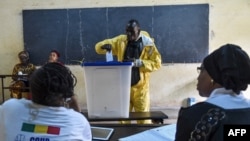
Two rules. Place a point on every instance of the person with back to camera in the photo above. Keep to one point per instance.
(24, 68)
(224, 74)
(45, 117)
(54, 58)
(136, 46)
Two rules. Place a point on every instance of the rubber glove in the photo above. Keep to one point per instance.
(138, 63)
(107, 47)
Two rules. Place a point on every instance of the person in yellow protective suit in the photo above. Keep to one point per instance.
(138, 47)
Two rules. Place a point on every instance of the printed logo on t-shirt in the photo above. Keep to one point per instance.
(40, 129)
(20, 137)
(39, 139)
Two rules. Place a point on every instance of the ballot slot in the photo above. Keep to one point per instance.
(107, 86)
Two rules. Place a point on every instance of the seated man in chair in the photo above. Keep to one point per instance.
(21, 72)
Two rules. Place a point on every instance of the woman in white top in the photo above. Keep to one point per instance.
(224, 74)
(45, 117)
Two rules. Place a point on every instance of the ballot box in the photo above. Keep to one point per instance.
(107, 87)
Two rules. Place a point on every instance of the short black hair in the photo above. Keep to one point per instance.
(51, 84)
(132, 24)
(56, 52)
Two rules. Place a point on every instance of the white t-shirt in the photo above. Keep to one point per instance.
(23, 120)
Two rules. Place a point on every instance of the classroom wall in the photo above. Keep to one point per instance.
(228, 23)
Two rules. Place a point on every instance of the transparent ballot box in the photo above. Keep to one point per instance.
(107, 87)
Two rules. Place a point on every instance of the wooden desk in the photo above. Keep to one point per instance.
(156, 116)
(124, 130)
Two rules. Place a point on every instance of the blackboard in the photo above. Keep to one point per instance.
(180, 31)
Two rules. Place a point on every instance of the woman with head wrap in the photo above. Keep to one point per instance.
(224, 74)
(24, 69)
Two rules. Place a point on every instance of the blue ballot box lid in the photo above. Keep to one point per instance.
(112, 63)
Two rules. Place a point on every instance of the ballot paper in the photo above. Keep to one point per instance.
(109, 56)
(163, 133)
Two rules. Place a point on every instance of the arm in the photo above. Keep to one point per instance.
(152, 60)
(182, 134)
(113, 42)
(31, 69)
(150, 57)
(15, 72)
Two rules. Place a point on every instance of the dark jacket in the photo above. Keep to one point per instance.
(207, 121)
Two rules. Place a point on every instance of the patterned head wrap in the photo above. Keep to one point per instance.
(229, 66)
(23, 54)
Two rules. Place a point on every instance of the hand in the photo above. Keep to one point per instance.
(138, 63)
(129, 60)
(107, 47)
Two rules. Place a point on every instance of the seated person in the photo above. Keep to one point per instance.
(223, 76)
(45, 117)
(54, 57)
(21, 73)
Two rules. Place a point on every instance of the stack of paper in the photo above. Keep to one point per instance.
(163, 133)
(109, 56)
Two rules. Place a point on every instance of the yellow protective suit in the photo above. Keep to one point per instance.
(151, 59)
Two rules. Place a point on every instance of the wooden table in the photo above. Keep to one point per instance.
(124, 130)
(156, 116)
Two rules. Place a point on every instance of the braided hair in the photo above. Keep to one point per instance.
(23, 53)
(52, 84)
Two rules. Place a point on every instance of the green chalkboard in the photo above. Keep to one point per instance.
(180, 31)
